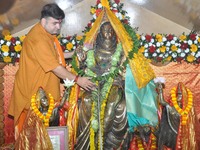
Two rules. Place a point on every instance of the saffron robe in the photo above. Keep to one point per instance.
(38, 57)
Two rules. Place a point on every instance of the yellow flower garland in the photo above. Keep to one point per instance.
(182, 112)
(46, 117)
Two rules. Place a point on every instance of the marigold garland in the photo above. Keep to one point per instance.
(185, 110)
(46, 117)
(92, 133)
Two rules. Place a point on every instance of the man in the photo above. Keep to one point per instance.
(41, 64)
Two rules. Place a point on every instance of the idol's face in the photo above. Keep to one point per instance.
(107, 31)
(44, 102)
(52, 25)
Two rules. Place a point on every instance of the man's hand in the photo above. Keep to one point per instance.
(85, 83)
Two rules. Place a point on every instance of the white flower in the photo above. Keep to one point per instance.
(8, 43)
(119, 15)
(150, 44)
(5, 54)
(18, 55)
(146, 54)
(146, 45)
(177, 44)
(64, 41)
(158, 50)
(166, 55)
(159, 80)
(174, 55)
(190, 42)
(193, 53)
(142, 37)
(18, 42)
(152, 40)
(179, 50)
(172, 42)
(12, 54)
(195, 42)
(73, 42)
(164, 39)
(168, 43)
(68, 82)
(183, 54)
(99, 5)
(2, 41)
(198, 54)
(175, 38)
(114, 5)
(94, 16)
(154, 54)
(161, 55)
(158, 44)
(187, 50)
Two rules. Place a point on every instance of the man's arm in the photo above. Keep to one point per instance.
(84, 82)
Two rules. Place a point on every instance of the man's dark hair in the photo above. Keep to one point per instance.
(52, 10)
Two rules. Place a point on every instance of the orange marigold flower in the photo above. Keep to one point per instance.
(92, 10)
(182, 37)
(138, 36)
(190, 58)
(141, 49)
(5, 48)
(174, 48)
(193, 48)
(7, 59)
(18, 48)
(79, 37)
(163, 49)
(159, 37)
(69, 46)
(22, 38)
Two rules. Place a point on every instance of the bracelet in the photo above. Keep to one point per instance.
(76, 79)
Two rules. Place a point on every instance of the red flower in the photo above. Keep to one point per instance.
(117, 1)
(115, 10)
(152, 49)
(125, 21)
(89, 24)
(13, 40)
(12, 49)
(193, 36)
(159, 59)
(17, 59)
(98, 11)
(63, 48)
(170, 37)
(148, 37)
(68, 37)
(98, 1)
(184, 46)
(198, 60)
(179, 59)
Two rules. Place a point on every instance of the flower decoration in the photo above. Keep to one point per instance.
(182, 111)
(161, 48)
(10, 48)
(159, 80)
(47, 116)
(68, 83)
(115, 7)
